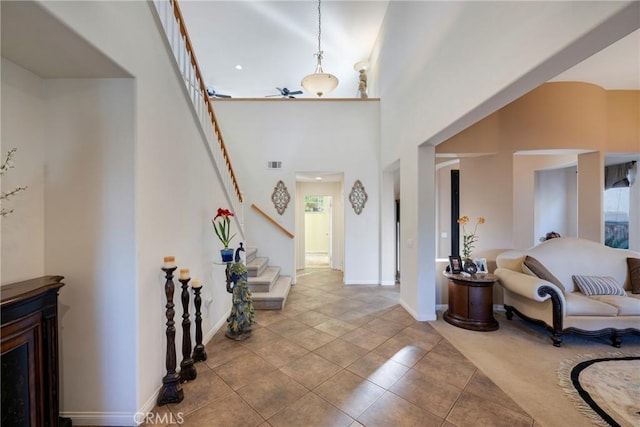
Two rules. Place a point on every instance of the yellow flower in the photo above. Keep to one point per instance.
(469, 240)
(463, 220)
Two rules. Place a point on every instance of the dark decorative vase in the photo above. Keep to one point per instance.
(470, 266)
(227, 254)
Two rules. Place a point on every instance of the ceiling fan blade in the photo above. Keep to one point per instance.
(213, 94)
(271, 96)
(297, 92)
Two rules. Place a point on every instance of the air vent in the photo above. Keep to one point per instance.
(274, 164)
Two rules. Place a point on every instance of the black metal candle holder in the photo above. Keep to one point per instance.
(187, 368)
(171, 391)
(199, 353)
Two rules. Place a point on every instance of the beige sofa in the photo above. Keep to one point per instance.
(569, 310)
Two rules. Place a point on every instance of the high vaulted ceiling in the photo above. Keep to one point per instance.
(274, 42)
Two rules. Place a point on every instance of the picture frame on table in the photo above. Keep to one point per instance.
(455, 264)
(481, 263)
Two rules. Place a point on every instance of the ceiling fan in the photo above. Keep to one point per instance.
(213, 94)
(286, 93)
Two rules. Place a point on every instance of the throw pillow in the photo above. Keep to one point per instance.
(597, 285)
(634, 274)
(533, 267)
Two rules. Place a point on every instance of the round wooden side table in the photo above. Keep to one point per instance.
(471, 301)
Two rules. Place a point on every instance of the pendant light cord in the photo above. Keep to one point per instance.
(319, 83)
(318, 55)
(319, 27)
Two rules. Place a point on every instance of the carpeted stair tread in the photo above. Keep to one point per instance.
(250, 254)
(274, 299)
(265, 281)
(256, 266)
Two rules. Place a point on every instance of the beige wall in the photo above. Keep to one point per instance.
(623, 120)
(556, 115)
(590, 196)
(483, 137)
(563, 123)
(559, 115)
(486, 191)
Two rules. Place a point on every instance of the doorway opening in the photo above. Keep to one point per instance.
(319, 220)
(318, 213)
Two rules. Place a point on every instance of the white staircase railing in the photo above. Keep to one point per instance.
(175, 30)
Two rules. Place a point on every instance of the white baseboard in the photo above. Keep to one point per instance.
(388, 283)
(151, 402)
(362, 282)
(423, 318)
(101, 418)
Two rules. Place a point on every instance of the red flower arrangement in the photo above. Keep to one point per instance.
(223, 226)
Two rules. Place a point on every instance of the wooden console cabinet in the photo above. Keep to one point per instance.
(29, 353)
(471, 302)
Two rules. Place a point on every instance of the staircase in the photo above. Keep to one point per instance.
(269, 290)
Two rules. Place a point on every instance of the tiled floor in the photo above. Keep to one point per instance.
(341, 356)
(316, 260)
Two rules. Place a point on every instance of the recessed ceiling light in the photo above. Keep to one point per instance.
(318, 178)
(238, 67)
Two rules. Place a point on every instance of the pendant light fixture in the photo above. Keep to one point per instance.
(319, 83)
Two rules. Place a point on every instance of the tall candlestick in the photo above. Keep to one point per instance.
(169, 262)
(199, 353)
(187, 369)
(171, 391)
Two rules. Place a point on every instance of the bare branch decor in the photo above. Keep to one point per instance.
(280, 197)
(358, 197)
(4, 167)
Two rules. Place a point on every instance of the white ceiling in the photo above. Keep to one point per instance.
(36, 41)
(274, 41)
(616, 67)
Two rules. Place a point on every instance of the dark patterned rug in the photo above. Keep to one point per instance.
(605, 387)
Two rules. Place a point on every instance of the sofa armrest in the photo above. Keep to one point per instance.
(530, 287)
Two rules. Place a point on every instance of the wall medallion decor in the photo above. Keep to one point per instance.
(280, 197)
(358, 197)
